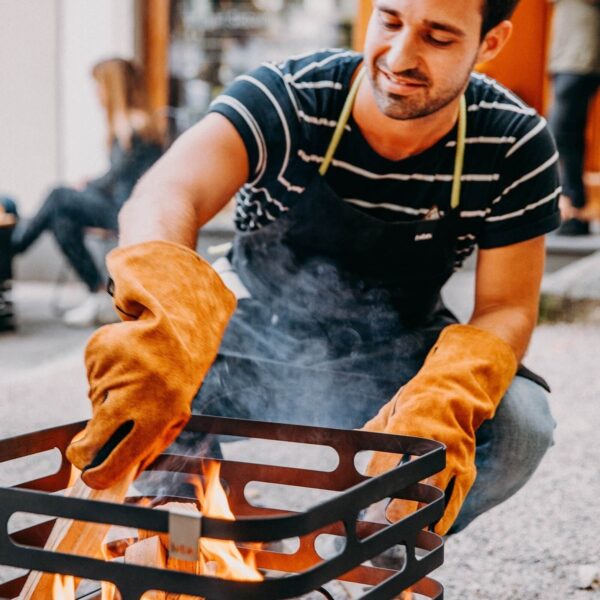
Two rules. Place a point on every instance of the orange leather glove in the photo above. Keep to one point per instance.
(144, 372)
(460, 384)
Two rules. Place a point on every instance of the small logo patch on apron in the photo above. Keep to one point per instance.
(421, 237)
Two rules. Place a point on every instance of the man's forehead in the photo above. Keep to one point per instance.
(454, 11)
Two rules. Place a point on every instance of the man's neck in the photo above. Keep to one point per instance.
(395, 139)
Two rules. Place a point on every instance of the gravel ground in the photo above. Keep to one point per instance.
(528, 548)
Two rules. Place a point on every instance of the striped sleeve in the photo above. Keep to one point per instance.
(525, 204)
(262, 107)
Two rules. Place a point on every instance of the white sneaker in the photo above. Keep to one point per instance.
(96, 309)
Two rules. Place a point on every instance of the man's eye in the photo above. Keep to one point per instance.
(388, 21)
(439, 41)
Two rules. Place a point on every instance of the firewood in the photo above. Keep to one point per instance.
(174, 563)
(148, 553)
(117, 540)
(75, 537)
(182, 565)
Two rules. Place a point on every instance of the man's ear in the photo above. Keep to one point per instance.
(494, 40)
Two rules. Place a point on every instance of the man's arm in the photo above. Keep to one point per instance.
(507, 291)
(198, 175)
(145, 371)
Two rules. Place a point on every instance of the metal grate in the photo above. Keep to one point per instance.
(287, 575)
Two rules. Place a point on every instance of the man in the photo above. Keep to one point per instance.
(574, 64)
(343, 246)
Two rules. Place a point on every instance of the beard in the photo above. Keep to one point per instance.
(415, 106)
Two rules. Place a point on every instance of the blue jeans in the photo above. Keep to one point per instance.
(66, 212)
(509, 448)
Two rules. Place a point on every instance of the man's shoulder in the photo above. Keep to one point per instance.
(333, 64)
(496, 110)
(313, 84)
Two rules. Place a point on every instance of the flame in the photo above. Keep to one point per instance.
(63, 587)
(221, 557)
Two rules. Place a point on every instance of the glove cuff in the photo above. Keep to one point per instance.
(162, 269)
(468, 349)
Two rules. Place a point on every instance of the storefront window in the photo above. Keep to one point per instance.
(213, 41)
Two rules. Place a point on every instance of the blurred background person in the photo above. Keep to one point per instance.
(134, 141)
(574, 65)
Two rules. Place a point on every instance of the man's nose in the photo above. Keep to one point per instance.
(403, 53)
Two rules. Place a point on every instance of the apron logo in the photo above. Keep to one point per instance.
(420, 237)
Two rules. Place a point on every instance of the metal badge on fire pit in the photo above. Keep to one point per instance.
(184, 534)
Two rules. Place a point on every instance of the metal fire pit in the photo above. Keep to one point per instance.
(286, 575)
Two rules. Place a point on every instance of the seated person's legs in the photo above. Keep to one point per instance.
(29, 230)
(509, 448)
(66, 212)
(76, 211)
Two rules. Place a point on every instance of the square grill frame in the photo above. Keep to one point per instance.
(307, 571)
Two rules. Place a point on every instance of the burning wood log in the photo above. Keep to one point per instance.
(117, 540)
(177, 564)
(75, 537)
(149, 553)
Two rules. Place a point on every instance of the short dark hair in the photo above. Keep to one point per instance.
(496, 11)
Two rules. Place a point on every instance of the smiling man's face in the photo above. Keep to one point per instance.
(419, 53)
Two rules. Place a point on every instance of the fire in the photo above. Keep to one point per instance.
(63, 587)
(221, 557)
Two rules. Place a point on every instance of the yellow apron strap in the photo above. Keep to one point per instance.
(339, 129)
(459, 159)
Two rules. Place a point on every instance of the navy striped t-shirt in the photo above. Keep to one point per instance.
(286, 114)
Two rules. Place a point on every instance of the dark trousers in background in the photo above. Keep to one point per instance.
(9, 206)
(568, 118)
(66, 212)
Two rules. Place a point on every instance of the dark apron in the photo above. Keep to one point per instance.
(344, 308)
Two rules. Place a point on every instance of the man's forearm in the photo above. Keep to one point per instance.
(188, 186)
(513, 325)
(154, 212)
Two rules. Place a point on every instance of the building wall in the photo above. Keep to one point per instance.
(29, 101)
(89, 31)
(51, 123)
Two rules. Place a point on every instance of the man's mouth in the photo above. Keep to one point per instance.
(400, 85)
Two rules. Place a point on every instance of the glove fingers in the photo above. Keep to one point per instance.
(457, 495)
(114, 444)
(140, 448)
(380, 421)
(84, 448)
(101, 445)
(381, 462)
